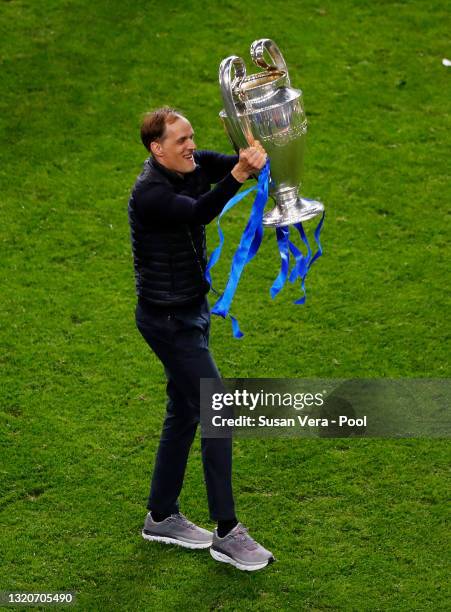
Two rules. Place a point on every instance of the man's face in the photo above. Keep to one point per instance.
(175, 150)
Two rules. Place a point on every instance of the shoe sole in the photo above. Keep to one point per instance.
(246, 568)
(167, 540)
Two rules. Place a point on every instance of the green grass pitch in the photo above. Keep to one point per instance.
(355, 525)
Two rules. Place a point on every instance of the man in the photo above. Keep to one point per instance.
(171, 202)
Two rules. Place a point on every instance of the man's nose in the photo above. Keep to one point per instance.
(191, 144)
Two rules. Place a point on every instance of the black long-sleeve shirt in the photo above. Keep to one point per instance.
(187, 198)
(167, 213)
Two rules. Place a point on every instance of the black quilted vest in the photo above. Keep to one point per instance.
(169, 258)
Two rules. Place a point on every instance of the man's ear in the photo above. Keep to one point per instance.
(156, 149)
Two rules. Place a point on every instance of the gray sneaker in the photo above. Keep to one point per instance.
(240, 550)
(176, 529)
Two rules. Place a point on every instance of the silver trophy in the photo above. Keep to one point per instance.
(265, 107)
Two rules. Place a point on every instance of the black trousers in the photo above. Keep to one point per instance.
(180, 338)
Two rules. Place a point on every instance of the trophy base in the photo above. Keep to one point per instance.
(302, 210)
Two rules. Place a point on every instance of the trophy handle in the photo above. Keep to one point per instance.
(258, 49)
(232, 72)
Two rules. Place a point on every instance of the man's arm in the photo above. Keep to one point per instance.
(215, 165)
(159, 203)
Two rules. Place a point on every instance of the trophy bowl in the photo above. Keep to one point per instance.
(264, 107)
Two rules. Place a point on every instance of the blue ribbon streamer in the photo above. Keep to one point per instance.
(249, 244)
(282, 234)
(216, 254)
(302, 262)
(317, 235)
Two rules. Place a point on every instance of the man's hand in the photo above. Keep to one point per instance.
(250, 162)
